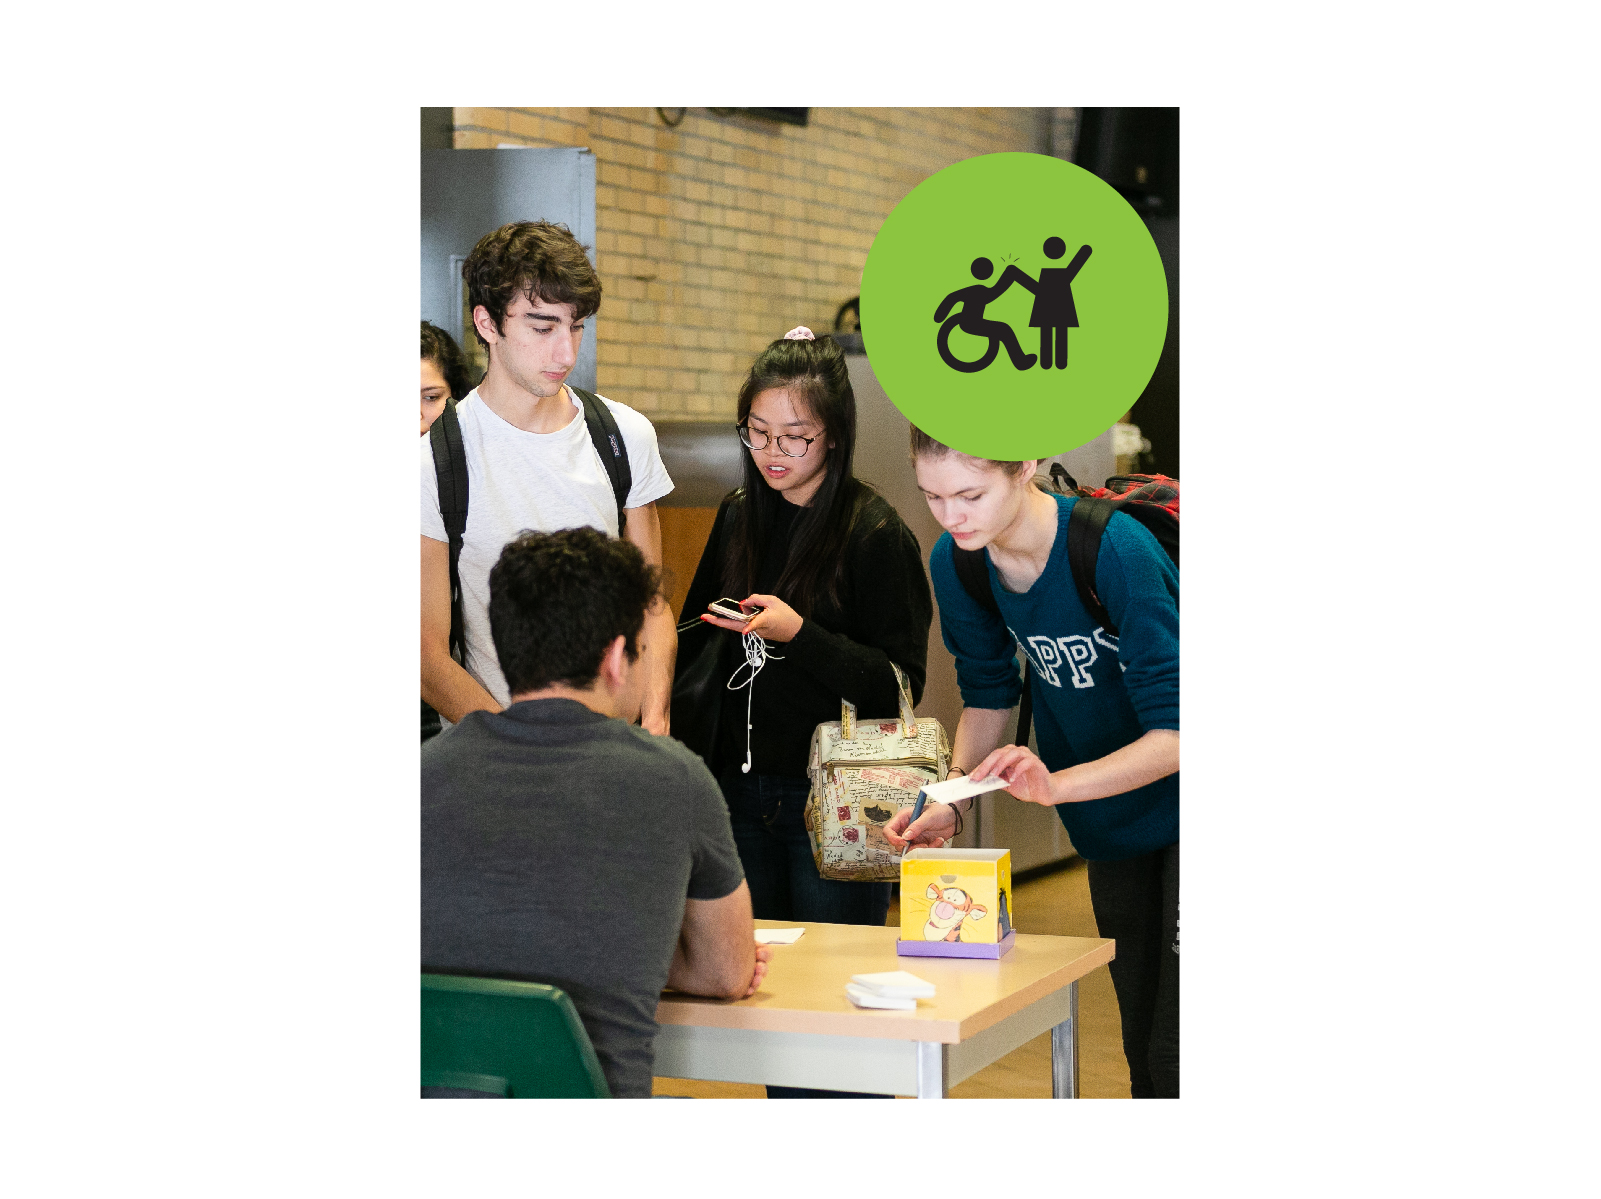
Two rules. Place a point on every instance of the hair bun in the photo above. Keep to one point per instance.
(799, 333)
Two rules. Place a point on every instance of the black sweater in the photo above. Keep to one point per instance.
(840, 652)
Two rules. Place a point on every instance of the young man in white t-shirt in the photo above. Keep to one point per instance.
(531, 463)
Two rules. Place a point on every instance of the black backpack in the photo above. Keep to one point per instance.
(1153, 500)
(450, 469)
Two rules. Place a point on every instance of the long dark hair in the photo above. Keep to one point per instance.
(815, 371)
(441, 349)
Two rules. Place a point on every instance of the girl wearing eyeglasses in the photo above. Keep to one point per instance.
(840, 583)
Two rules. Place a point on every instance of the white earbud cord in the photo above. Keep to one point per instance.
(756, 656)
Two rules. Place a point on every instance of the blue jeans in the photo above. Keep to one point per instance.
(767, 812)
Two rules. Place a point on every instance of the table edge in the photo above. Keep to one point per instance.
(697, 1012)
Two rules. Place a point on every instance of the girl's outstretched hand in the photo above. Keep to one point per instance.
(1025, 775)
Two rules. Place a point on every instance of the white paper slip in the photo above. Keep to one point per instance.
(897, 984)
(862, 997)
(778, 936)
(960, 788)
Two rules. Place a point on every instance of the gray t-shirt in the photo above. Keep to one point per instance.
(558, 846)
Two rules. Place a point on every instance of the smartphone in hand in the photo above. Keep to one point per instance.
(731, 609)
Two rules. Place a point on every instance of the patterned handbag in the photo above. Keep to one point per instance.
(863, 772)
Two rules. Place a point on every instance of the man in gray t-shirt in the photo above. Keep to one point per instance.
(560, 843)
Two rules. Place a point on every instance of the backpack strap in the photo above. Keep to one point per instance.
(1025, 707)
(972, 569)
(1061, 483)
(450, 471)
(973, 572)
(613, 453)
(1085, 525)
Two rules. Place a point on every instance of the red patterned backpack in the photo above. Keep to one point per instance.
(1153, 500)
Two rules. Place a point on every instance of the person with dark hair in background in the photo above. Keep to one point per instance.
(531, 461)
(444, 378)
(444, 373)
(562, 845)
(840, 581)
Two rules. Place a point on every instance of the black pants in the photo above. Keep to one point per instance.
(1137, 905)
(768, 817)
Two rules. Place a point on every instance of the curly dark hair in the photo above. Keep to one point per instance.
(558, 600)
(441, 349)
(537, 258)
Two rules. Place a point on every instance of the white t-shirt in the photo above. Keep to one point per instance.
(518, 480)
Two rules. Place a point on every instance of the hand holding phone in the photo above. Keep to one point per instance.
(730, 608)
(768, 616)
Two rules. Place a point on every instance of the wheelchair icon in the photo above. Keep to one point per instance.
(970, 319)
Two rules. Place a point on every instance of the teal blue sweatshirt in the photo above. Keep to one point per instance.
(1093, 693)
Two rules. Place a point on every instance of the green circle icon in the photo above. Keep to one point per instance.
(1013, 306)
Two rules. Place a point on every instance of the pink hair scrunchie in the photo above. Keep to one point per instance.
(799, 333)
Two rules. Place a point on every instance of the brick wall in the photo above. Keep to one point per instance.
(714, 237)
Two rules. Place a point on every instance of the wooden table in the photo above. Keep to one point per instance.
(800, 1030)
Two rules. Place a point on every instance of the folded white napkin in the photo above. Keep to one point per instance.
(895, 984)
(862, 997)
(778, 936)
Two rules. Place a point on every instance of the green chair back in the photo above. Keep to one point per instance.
(513, 1039)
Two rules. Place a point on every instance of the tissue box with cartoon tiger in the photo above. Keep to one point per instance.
(956, 903)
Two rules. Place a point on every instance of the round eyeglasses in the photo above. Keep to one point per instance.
(756, 439)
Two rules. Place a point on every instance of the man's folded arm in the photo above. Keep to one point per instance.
(716, 951)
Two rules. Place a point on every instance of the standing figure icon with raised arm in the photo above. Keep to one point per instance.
(1054, 312)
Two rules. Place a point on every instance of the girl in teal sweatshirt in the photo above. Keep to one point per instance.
(1106, 708)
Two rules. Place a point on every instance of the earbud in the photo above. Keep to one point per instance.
(756, 656)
